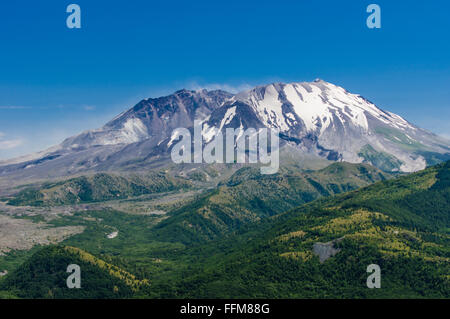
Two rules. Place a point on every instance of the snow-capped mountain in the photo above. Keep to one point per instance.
(322, 118)
(132, 136)
(152, 119)
(317, 118)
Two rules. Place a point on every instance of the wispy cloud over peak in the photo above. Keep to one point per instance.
(220, 86)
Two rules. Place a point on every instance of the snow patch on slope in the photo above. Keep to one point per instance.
(133, 130)
(308, 106)
(269, 109)
(175, 135)
(208, 132)
(228, 117)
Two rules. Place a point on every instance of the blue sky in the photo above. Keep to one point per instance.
(56, 82)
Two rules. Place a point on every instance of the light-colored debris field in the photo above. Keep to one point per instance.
(23, 234)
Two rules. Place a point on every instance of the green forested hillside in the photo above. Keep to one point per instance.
(402, 225)
(44, 276)
(248, 197)
(98, 187)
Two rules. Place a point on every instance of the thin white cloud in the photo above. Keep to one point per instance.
(89, 107)
(13, 107)
(7, 144)
(10, 144)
